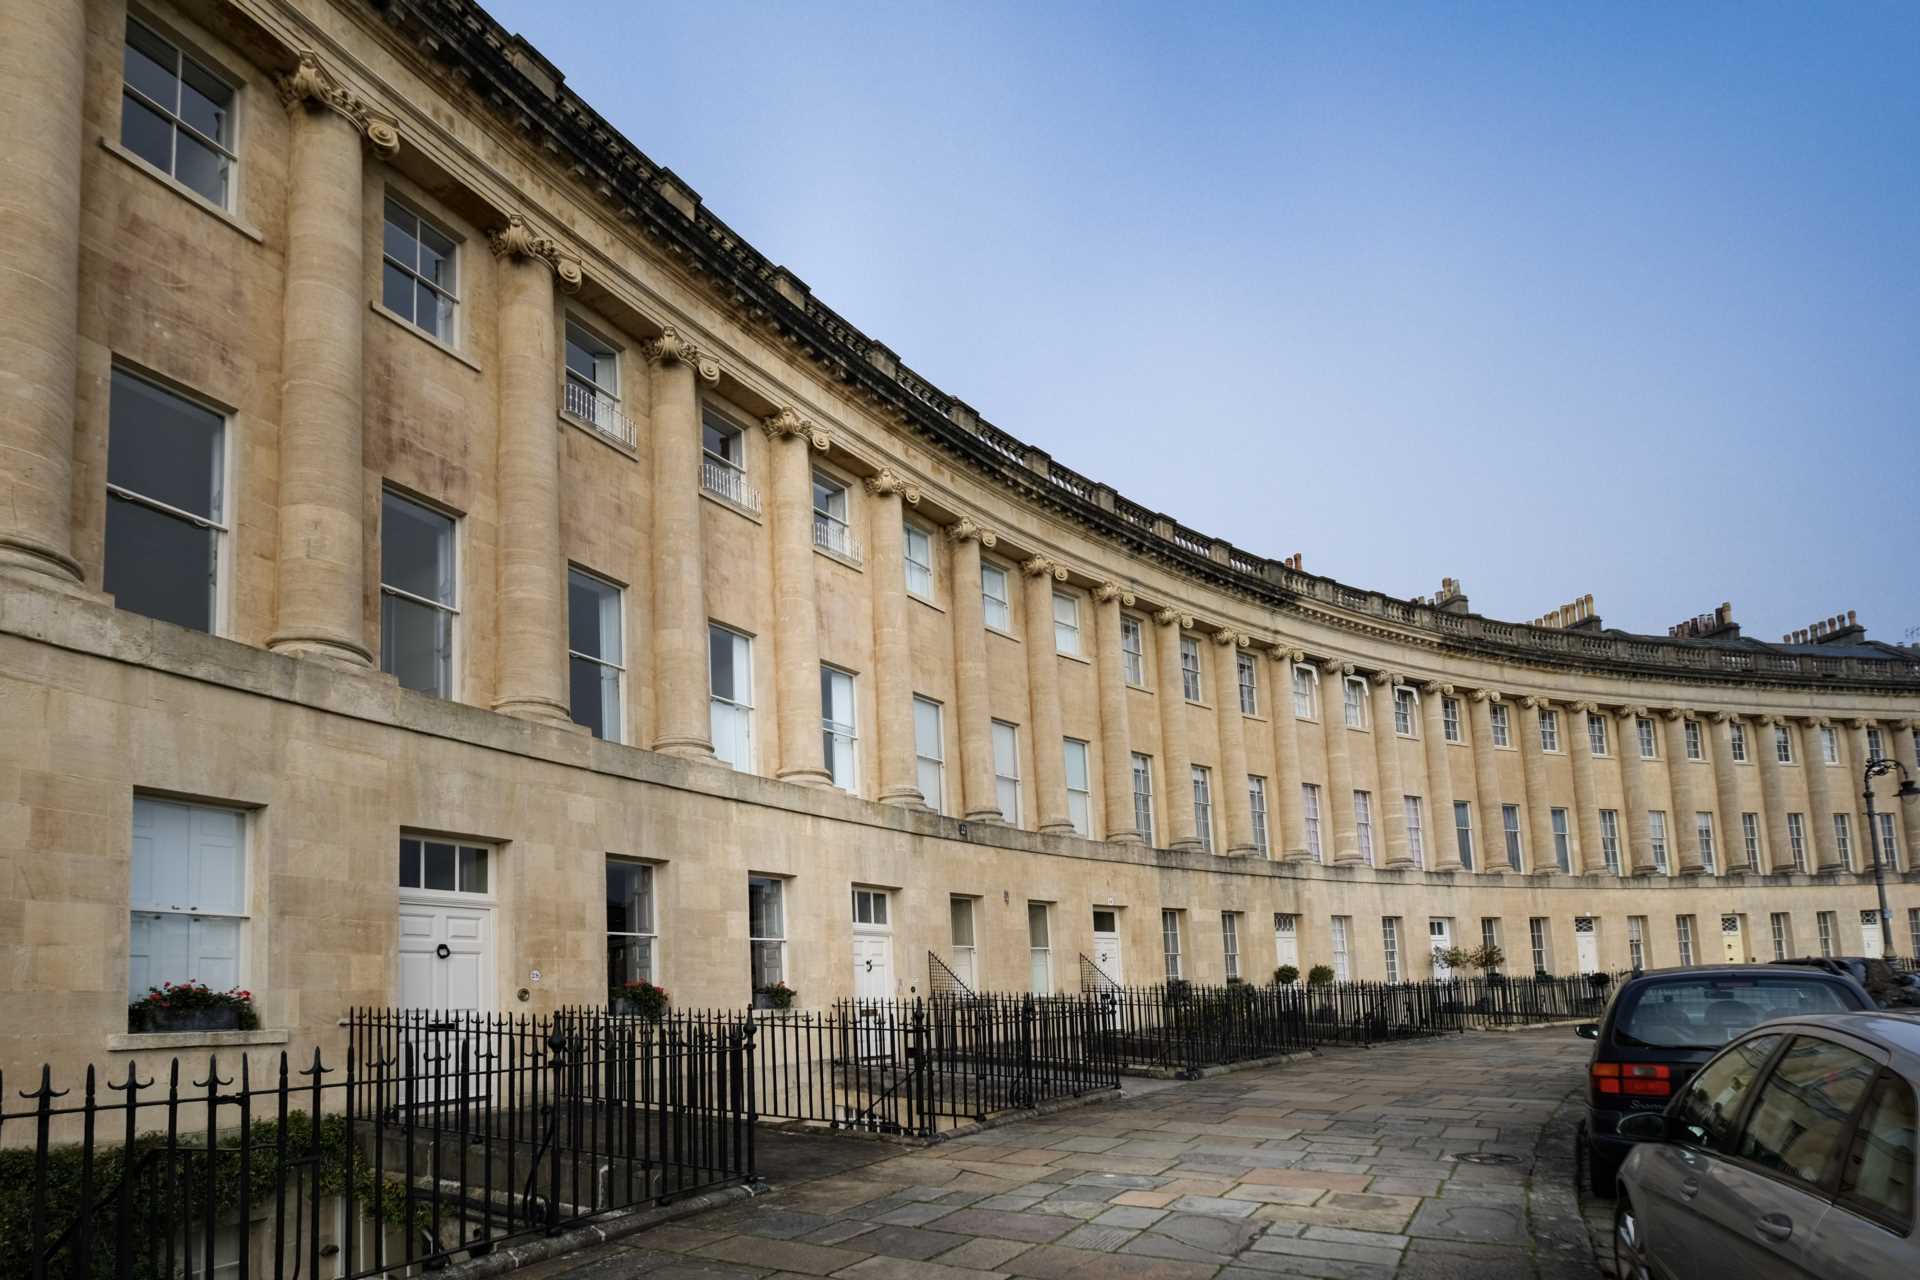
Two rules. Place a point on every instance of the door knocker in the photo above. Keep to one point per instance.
(443, 951)
(869, 966)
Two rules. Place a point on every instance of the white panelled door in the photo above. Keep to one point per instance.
(1586, 944)
(1440, 938)
(446, 955)
(1870, 935)
(1106, 944)
(1733, 941)
(1286, 940)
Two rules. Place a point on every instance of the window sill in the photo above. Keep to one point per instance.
(1139, 687)
(724, 503)
(923, 600)
(1073, 657)
(1253, 716)
(1406, 737)
(837, 558)
(1004, 635)
(147, 1041)
(421, 334)
(1204, 706)
(193, 197)
(581, 424)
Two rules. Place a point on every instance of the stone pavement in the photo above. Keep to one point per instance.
(1357, 1164)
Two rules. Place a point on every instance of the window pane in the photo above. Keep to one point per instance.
(1713, 1097)
(720, 665)
(409, 864)
(1796, 1125)
(1037, 924)
(416, 645)
(1076, 753)
(416, 549)
(159, 565)
(962, 912)
(146, 133)
(595, 697)
(148, 64)
(629, 960)
(721, 440)
(439, 872)
(926, 728)
(432, 313)
(763, 908)
(629, 897)
(436, 256)
(164, 447)
(201, 167)
(396, 289)
(397, 236)
(593, 616)
(206, 103)
(1879, 1169)
(473, 869)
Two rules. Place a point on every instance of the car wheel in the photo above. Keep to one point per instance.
(1629, 1245)
(1597, 1171)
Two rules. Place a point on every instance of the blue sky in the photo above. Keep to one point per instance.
(1553, 299)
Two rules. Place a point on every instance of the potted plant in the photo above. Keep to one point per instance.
(1320, 976)
(775, 995)
(1487, 957)
(640, 999)
(1286, 975)
(192, 1006)
(1451, 959)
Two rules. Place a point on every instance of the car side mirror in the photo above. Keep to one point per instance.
(1588, 1031)
(1644, 1126)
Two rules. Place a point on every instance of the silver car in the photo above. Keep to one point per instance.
(1792, 1153)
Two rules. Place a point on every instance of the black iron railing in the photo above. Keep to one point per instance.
(434, 1139)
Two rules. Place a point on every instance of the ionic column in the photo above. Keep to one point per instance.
(1291, 837)
(1176, 759)
(1433, 717)
(1778, 855)
(1685, 838)
(1856, 764)
(1333, 723)
(796, 618)
(1638, 856)
(1116, 745)
(1391, 795)
(1233, 741)
(1043, 688)
(43, 77)
(1486, 783)
(982, 803)
(1533, 779)
(1813, 763)
(1726, 786)
(1903, 751)
(682, 723)
(530, 675)
(1586, 797)
(320, 560)
(892, 647)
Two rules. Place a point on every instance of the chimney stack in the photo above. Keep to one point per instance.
(1718, 625)
(1576, 615)
(1841, 628)
(1452, 597)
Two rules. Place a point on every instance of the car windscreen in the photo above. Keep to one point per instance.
(1707, 1011)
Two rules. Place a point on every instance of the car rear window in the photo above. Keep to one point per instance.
(1706, 1012)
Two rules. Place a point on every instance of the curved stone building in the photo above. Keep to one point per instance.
(444, 564)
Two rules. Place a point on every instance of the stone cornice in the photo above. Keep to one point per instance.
(310, 84)
(481, 62)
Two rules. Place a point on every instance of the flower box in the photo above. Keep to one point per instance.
(191, 1006)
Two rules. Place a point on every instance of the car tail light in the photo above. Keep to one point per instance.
(1638, 1079)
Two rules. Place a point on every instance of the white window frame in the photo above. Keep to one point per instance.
(1797, 840)
(966, 955)
(1310, 818)
(767, 941)
(1843, 839)
(1562, 839)
(996, 610)
(1829, 744)
(1649, 740)
(1353, 704)
(1142, 768)
(1079, 798)
(617, 664)
(1827, 922)
(203, 914)
(1040, 954)
(1500, 721)
(1737, 742)
(1203, 806)
(1341, 927)
(1610, 839)
(1596, 734)
(1876, 747)
(455, 529)
(229, 150)
(839, 734)
(833, 531)
(1006, 770)
(1913, 930)
(1133, 651)
(462, 891)
(1778, 924)
(1703, 832)
(1695, 740)
(1636, 943)
(1390, 946)
(1406, 711)
(1450, 718)
(1657, 839)
(871, 909)
(1463, 832)
(1257, 806)
(1066, 630)
(918, 568)
(451, 338)
(741, 711)
(1249, 677)
(1783, 744)
(1510, 829)
(1490, 931)
(1537, 944)
(1363, 824)
(1750, 833)
(1230, 943)
(930, 752)
(1889, 849)
(1170, 943)
(585, 397)
(1683, 934)
(1190, 687)
(649, 928)
(215, 521)
(1549, 730)
(720, 475)
(1306, 692)
(1416, 832)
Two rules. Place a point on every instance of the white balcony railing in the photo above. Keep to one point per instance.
(724, 480)
(834, 535)
(600, 410)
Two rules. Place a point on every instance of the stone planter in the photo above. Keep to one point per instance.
(218, 1018)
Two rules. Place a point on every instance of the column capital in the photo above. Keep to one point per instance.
(1043, 567)
(1674, 715)
(1903, 726)
(1440, 687)
(1485, 695)
(1767, 721)
(674, 347)
(1817, 722)
(1173, 618)
(1859, 722)
(1111, 590)
(887, 484)
(786, 422)
(1295, 656)
(1633, 713)
(965, 530)
(310, 84)
(1584, 708)
(1232, 639)
(1385, 679)
(1536, 702)
(1722, 717)
(517, 240)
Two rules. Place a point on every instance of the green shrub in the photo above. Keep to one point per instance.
(1320, 976)
(1285, 976)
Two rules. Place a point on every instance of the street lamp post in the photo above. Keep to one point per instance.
(1875, 767)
